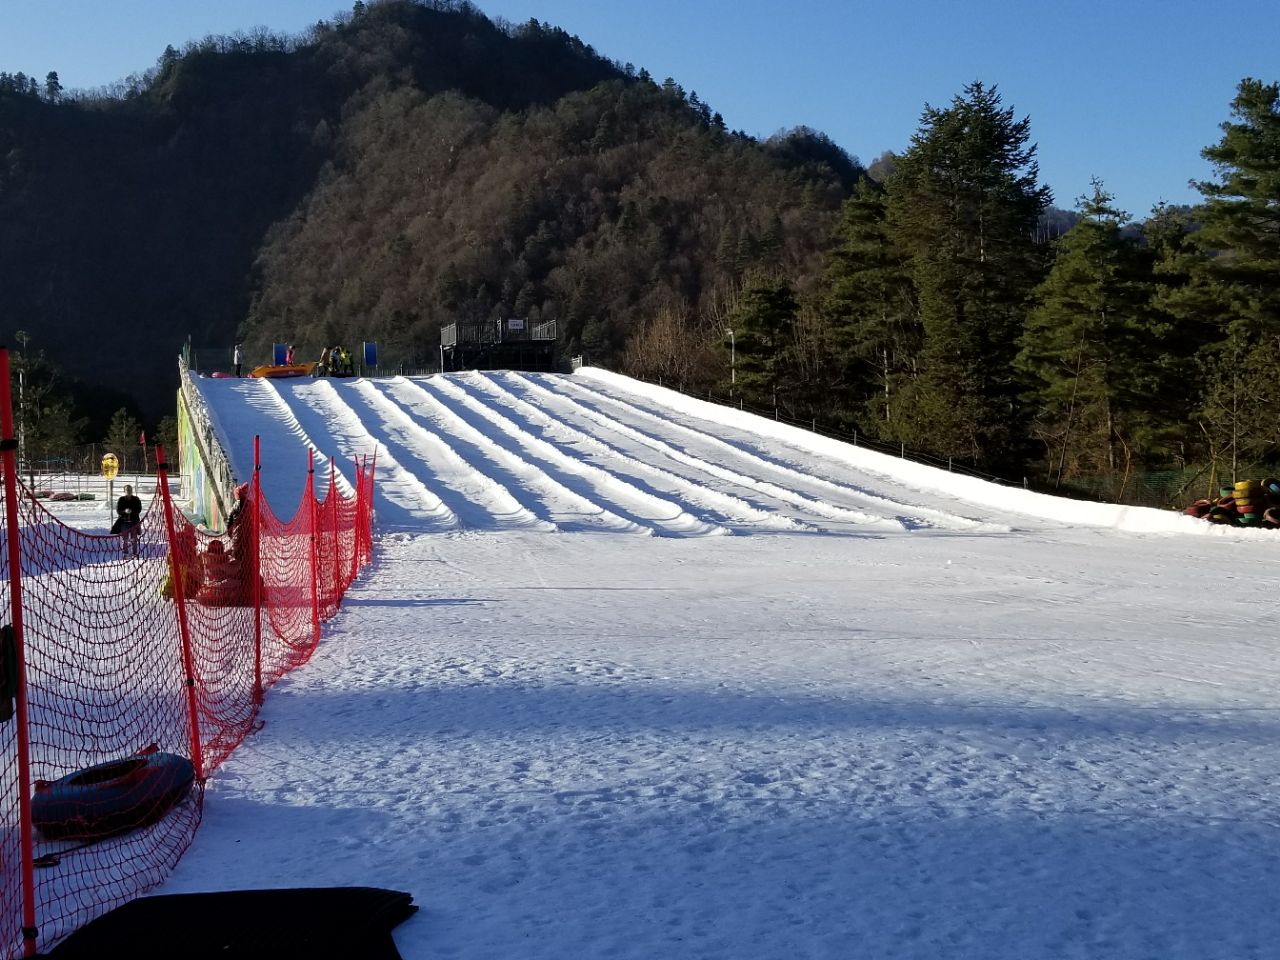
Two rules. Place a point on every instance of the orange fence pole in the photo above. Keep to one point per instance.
(315, 567)
(333, 518)
(257, 570)
(180, 604)
(355, 531)
(370, 483)
(8, 448)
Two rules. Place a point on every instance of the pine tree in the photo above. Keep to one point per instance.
(167, 437)
(963, 206)
(1241, 215)
(46, 420)
(762, 320)
(122, 437)
(1089, 347)
(870, 308)
(1232, 287)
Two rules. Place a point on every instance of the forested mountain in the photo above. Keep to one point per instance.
(415, 163)
(382, 175)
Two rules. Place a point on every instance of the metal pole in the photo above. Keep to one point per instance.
(733, 363)
(8, 450)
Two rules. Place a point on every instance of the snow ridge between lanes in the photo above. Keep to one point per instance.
(811, 505)
(908, 515)
(667, 517)
(404, 501)
(479, 501)
(563, 508)
(732, 509)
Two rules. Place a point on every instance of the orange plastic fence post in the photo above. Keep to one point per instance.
(180, 604)
(369, 507)
(315, 567)
(257, 570)
(8, 448)
(333, 512)
(355, 526)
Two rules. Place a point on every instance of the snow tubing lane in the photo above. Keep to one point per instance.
(111, 797)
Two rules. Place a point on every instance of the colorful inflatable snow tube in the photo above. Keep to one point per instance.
(112, 797)
(280, 370)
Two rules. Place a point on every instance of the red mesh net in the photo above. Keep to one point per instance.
(115, 773)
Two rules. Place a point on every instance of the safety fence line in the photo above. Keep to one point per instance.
(212, 457)
(131, 666)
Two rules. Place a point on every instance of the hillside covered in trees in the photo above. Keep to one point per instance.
(416, 163)
(377, 178)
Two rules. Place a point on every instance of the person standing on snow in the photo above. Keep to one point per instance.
(237, 358)
(128, 513)
(128, 510)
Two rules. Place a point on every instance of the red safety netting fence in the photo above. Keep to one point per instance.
(130, 667)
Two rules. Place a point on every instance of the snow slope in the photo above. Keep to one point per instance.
(637, 676)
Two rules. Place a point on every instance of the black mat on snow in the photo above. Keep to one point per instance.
(317, 923)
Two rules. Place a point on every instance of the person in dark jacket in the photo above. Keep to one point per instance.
(128, 513)
(128, 510)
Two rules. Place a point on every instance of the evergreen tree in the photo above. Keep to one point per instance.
(762, 320)
(1089, 347)
(167, 437)
(1241, 216)
(870, 308)
(44, 414)
(963, 206)
(1232, 287)
(122, 438)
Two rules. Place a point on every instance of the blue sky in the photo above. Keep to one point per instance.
(1128, 91)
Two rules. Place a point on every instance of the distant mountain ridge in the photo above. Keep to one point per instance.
(378, 177)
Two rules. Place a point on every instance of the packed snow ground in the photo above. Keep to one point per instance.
(634, 676)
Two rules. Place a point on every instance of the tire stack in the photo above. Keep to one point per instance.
(1249, 503)
(1247, 495)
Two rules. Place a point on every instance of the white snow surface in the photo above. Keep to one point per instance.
(635, 676)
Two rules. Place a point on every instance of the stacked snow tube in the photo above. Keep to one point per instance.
(1248, 503)
(1248, 498)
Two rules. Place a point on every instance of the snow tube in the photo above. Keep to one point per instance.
(222, 375)
(221, 584)
(111, 797)
(283, 370)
